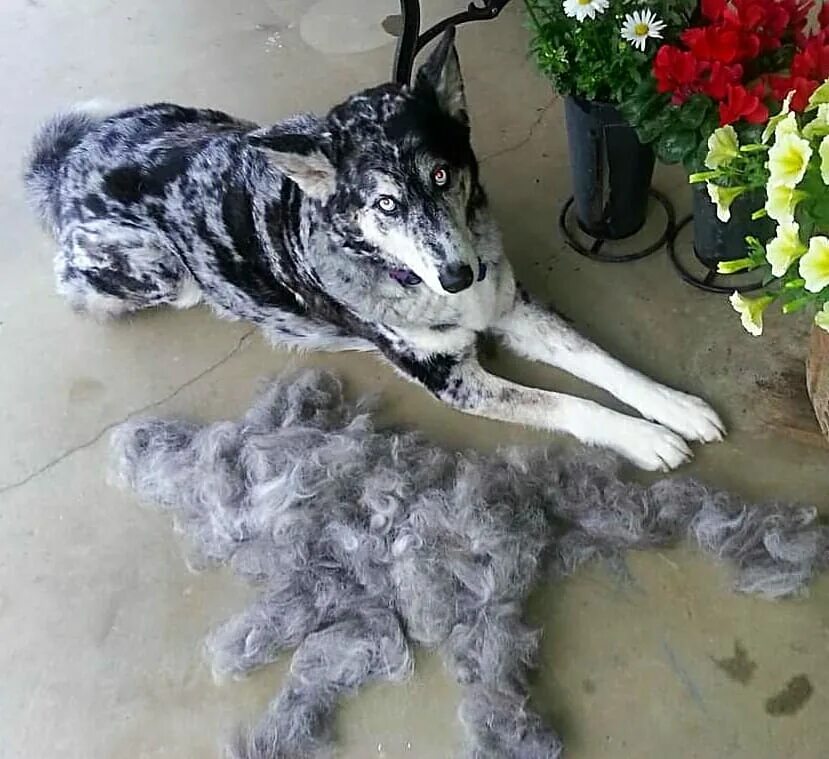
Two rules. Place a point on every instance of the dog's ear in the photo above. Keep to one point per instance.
(441, 74)
(304, 157)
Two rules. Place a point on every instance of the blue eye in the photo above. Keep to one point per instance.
(387, 204)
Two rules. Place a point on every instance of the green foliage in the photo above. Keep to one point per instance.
(589, 58)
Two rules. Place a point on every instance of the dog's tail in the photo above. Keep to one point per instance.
(53, 142)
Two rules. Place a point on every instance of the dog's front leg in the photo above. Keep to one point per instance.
(535, 333)
(469, 388)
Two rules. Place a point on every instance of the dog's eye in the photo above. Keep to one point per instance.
(440, 176)
(387, 204)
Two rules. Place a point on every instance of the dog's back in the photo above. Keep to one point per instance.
(77, 150)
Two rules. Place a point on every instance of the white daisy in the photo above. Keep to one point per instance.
(639, 25)
(582, 9)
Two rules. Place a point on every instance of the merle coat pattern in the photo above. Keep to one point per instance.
(367, 229)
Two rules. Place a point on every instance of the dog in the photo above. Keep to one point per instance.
(367, 229)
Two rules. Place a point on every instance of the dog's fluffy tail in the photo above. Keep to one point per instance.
(53, 142)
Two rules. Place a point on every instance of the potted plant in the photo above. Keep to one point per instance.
(735, 60)
(596, 52)
(788, 168)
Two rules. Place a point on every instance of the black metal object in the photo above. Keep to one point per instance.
(709, 280)
(597, 252)
(611, 169)
(716, 241)
(411, 41)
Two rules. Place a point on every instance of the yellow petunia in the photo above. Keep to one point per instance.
(822, 317)
(723, 147)
(751, 311)
(819, 125)
(823, 152)
(814, 266)
(771, 126)
(733, 266)
(785, 248)
(788, 159)
(819, 96)
(781, 203)
(723, 197)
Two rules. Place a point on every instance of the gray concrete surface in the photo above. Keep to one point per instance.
(100, 622)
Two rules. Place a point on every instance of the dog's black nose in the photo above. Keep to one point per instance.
(456, 277)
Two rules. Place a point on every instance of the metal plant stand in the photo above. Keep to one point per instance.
(708, 279)
(598, 250)
(412, 41)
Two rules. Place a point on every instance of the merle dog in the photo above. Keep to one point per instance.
(367, 229)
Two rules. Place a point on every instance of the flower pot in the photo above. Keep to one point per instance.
(611, 170)
(817, 377)
(716, 241)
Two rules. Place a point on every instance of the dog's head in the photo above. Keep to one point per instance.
(393, 169)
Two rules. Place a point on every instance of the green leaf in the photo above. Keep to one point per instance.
(693, 111)
(674, 146)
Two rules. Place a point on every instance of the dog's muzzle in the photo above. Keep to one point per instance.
(456, 277)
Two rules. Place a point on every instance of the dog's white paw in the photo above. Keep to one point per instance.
(650, 446)
(685, 414)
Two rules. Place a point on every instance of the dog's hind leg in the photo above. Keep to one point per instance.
(257, 636)
(108, 270)
(489, 656)
(370, 645)
(533, 332)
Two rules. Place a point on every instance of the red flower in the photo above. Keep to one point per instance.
(675, 71)
(741, 104)
(813, 61)
(803, 88)
(721, 43)
(719, 78)
(713, 9)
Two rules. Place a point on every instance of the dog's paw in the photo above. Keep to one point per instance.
(651, 446)
(685, 414)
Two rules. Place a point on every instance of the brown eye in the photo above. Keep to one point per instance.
(440, 176)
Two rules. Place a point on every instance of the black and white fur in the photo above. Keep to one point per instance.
(366, 542)
(367, 229)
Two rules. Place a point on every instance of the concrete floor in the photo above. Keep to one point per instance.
(100, 623)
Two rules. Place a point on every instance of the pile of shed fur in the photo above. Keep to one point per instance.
(365, 542)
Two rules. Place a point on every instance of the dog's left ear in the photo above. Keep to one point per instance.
(304, 157)
(441, 74)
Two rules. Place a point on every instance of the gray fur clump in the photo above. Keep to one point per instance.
(365, 542)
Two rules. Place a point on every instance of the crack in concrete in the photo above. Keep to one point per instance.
(103, 431)
(526, 139)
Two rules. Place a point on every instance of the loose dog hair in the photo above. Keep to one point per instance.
(365, 541)
(364, 229)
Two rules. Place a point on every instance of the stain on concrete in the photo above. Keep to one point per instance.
(791, 699)
(85, 389)
(588, 686)
(738, 667)
(393, 25)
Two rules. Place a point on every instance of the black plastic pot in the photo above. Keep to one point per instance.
(716, 241)
(611, 170)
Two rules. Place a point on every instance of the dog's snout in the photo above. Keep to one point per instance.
(456, 277)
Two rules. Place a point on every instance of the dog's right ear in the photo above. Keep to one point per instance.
(302, 157)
